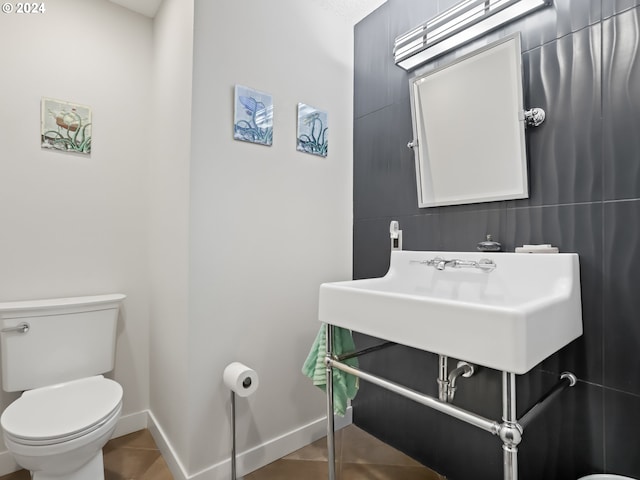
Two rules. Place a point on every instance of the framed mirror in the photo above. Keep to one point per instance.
(468, 128)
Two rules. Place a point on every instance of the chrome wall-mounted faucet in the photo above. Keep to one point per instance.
(440, 263)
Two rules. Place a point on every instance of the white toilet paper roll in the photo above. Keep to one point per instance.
(240, 379)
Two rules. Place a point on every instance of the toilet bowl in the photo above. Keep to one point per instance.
(68, 411)
(58, 432)
(605, 477)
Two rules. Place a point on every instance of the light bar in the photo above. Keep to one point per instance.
(456, 26)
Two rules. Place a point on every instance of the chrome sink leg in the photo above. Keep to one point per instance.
(331, 446)
(510, 431)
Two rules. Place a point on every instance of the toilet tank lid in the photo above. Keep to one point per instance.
(8, 308)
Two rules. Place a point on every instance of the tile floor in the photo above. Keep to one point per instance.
(359, 457)
(131, 457)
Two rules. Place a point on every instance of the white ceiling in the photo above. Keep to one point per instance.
(351, 10)
(148, 8)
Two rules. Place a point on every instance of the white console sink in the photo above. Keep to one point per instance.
(509, 318)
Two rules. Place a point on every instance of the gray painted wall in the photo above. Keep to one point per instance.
(581, 65)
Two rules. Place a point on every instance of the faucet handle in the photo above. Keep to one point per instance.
(486, 264)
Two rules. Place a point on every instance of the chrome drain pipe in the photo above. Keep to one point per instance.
(463, 369)
(443, 380)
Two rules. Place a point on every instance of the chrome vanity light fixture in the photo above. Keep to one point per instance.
(456, 26)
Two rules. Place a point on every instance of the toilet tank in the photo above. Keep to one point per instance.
(67, 338)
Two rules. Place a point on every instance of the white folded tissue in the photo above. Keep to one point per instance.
(542, 248)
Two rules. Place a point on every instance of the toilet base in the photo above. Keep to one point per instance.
(92, 470)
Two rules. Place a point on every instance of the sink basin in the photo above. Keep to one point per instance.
(509, 318)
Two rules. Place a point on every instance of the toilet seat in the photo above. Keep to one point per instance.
(62, 412)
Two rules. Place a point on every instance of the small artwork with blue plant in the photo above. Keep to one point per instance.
(313, 128)
(253, 116)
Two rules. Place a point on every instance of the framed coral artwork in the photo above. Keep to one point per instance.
(65, 126)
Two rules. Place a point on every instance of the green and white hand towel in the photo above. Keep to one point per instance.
(345, 385)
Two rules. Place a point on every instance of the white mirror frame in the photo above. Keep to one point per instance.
(468, 128)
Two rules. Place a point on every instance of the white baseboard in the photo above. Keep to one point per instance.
(131, 423)
(253, 458)
(7, 464)
(168, 453)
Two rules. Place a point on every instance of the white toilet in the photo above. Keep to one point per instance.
(55, 350)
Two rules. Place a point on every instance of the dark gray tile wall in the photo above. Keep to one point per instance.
(621, 105)
(582, 64)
